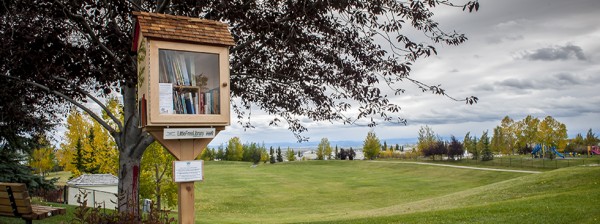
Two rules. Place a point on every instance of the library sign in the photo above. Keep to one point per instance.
(183, 90)
(188, 133)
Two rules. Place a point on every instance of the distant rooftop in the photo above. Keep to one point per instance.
(94, 180)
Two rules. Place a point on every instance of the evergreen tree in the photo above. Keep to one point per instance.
(220, 153)
(12, 169)
(78, 161)
(89, 157)
(272, 157)
(484, 147)
(255, 153)
(351, 154)
(279, 155)
(343, 154)
(591, 139)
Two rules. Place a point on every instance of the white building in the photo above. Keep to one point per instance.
(101, 190)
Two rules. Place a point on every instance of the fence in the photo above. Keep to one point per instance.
(543, 163)
(510, 161)
(94, 197)
(57, 195)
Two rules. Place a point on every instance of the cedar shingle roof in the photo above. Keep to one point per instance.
(181, 28)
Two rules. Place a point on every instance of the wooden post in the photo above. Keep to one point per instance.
(183, 149)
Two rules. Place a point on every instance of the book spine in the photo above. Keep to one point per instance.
(193, 72)
(183, 70)
(183, 104)
(207, 102)
(195, 102)
(215, 101)
(201, 103)
(190, 102)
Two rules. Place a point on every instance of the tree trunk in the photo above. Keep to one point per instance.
(129, 173)
(132, 141)
(158, 180)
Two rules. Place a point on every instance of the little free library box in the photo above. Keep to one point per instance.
(183, 71)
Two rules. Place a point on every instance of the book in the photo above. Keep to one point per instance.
(207, 107)
(215, 101)
(201, 103)
(183, 69)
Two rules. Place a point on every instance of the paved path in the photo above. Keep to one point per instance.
(461, 167)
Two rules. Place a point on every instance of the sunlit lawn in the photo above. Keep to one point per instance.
(324, 190)
(367, 192)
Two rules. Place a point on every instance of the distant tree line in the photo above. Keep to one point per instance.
(509, 138)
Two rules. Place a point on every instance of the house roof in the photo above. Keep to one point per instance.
(181, 28)
(94, 180)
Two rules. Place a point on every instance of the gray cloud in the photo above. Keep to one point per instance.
(561, 80)
(556, 81)
(568, 79)
(556, 53)
(484, 87)
(501, 39)
(516, 83)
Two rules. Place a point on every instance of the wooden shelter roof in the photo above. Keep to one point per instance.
(181, 28)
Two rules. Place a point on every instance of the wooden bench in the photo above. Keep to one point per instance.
(15, 202)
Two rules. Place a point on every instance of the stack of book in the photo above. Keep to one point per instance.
(189, 94)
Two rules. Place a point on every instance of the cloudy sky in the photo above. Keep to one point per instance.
(537, 57)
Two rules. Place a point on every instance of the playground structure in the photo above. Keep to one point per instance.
(594, 150)
(539, 150)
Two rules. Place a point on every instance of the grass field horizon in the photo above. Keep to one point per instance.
(367, 192)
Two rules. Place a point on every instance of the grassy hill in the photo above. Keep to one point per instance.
(568, 195)
(335, 190)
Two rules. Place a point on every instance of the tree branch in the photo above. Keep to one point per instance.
(143, 142)
(108, 112)
(94, 38)
(136, 6)
(243, 45)
(111, 130)
(163, 6)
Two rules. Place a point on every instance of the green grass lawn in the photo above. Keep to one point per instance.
(367, 192)
(63, 177)
(325, 190)
(568, 195)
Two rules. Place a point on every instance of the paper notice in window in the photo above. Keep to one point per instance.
(165, 98)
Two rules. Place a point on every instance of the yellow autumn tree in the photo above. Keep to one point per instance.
(42, 159)
(77, 129)
(88, 147)
(156, 180)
